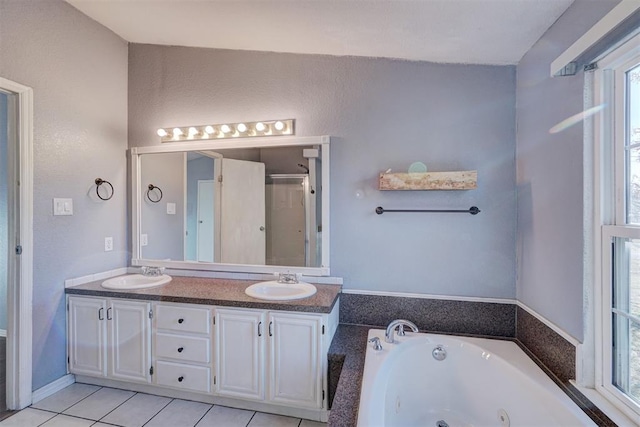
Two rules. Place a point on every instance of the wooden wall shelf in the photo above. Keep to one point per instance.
(459, 180)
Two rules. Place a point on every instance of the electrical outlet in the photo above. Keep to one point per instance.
(144, 240)
(108, 244)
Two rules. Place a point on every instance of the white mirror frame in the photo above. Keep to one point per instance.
(199, 145)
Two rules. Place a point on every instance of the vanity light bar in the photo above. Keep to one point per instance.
(228, 130)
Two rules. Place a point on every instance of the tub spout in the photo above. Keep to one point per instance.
(388, 335)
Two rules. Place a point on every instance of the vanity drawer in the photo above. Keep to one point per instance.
(183, 319)
(193, 378)
(179, 347)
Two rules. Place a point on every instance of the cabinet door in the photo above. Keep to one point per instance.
(294, 359)
(240, 353)
(129, 340)
(87, 336)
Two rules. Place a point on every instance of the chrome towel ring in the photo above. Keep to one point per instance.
(99, 182)
(151, 189)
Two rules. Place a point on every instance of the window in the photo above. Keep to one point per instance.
(617, 84)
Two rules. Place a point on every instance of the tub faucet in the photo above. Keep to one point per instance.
(388, 335)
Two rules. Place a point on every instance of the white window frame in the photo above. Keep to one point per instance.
(610, 209)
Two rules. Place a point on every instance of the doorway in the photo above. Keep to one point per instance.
(16, 178)
(4, 243)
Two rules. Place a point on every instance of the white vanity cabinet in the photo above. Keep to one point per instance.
(182, 347)
(240, 353)
(109, 337)
(265, 360)
(295, 359)
(273, 356)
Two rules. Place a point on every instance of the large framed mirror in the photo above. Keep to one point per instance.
(255, 205)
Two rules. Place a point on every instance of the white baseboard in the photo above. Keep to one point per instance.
(52, 388)
(3, 332)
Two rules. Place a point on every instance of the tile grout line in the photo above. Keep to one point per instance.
(204, 415)
(251, 419)
(66, 409)
(90, 394)
(161, 409)
(56, 414)
(131, 397)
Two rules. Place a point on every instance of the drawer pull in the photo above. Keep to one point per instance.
(180, 320)
(180, 379)
(180, 349)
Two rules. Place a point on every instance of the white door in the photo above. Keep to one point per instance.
(243, 212)
(129, 340)
(205, 218)
(295, 365)
(240, 353)
(87, 336)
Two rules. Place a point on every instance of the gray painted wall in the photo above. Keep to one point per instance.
(383, 114)
(78, 71)
(4, 225)
(549, 174)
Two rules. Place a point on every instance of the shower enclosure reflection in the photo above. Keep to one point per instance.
(256, 206)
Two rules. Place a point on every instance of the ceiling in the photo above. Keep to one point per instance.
(449, 31)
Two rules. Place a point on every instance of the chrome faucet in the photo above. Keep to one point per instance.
(152, 271)
(287, 278)
(388, 335)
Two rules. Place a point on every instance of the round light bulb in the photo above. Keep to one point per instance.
(192, 132)
(225, 128)
(177, 132)
(209, 130)
(162, 133)
(241, 127)
(260, 127)
(279, 125)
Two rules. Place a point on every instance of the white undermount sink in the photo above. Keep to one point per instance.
(136, 281)
(277, 291)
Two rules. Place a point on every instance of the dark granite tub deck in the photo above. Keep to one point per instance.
(359, 313)
(346, 366)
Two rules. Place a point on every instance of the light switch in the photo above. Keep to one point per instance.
(144, 240)
(171, 208)
(62, 206)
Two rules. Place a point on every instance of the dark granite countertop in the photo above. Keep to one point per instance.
(224, 292)
(346, 365)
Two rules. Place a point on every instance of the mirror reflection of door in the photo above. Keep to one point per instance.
(277, 190)
(243, 212)
(205, 215)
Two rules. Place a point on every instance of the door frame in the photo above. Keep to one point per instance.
(20, 297)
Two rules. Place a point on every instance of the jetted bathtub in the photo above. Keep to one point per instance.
(480, 382)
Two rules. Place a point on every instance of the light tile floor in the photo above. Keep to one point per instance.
(84, 405)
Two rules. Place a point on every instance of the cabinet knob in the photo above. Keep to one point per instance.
(180, 320)
(180, 379)
(180, 349)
